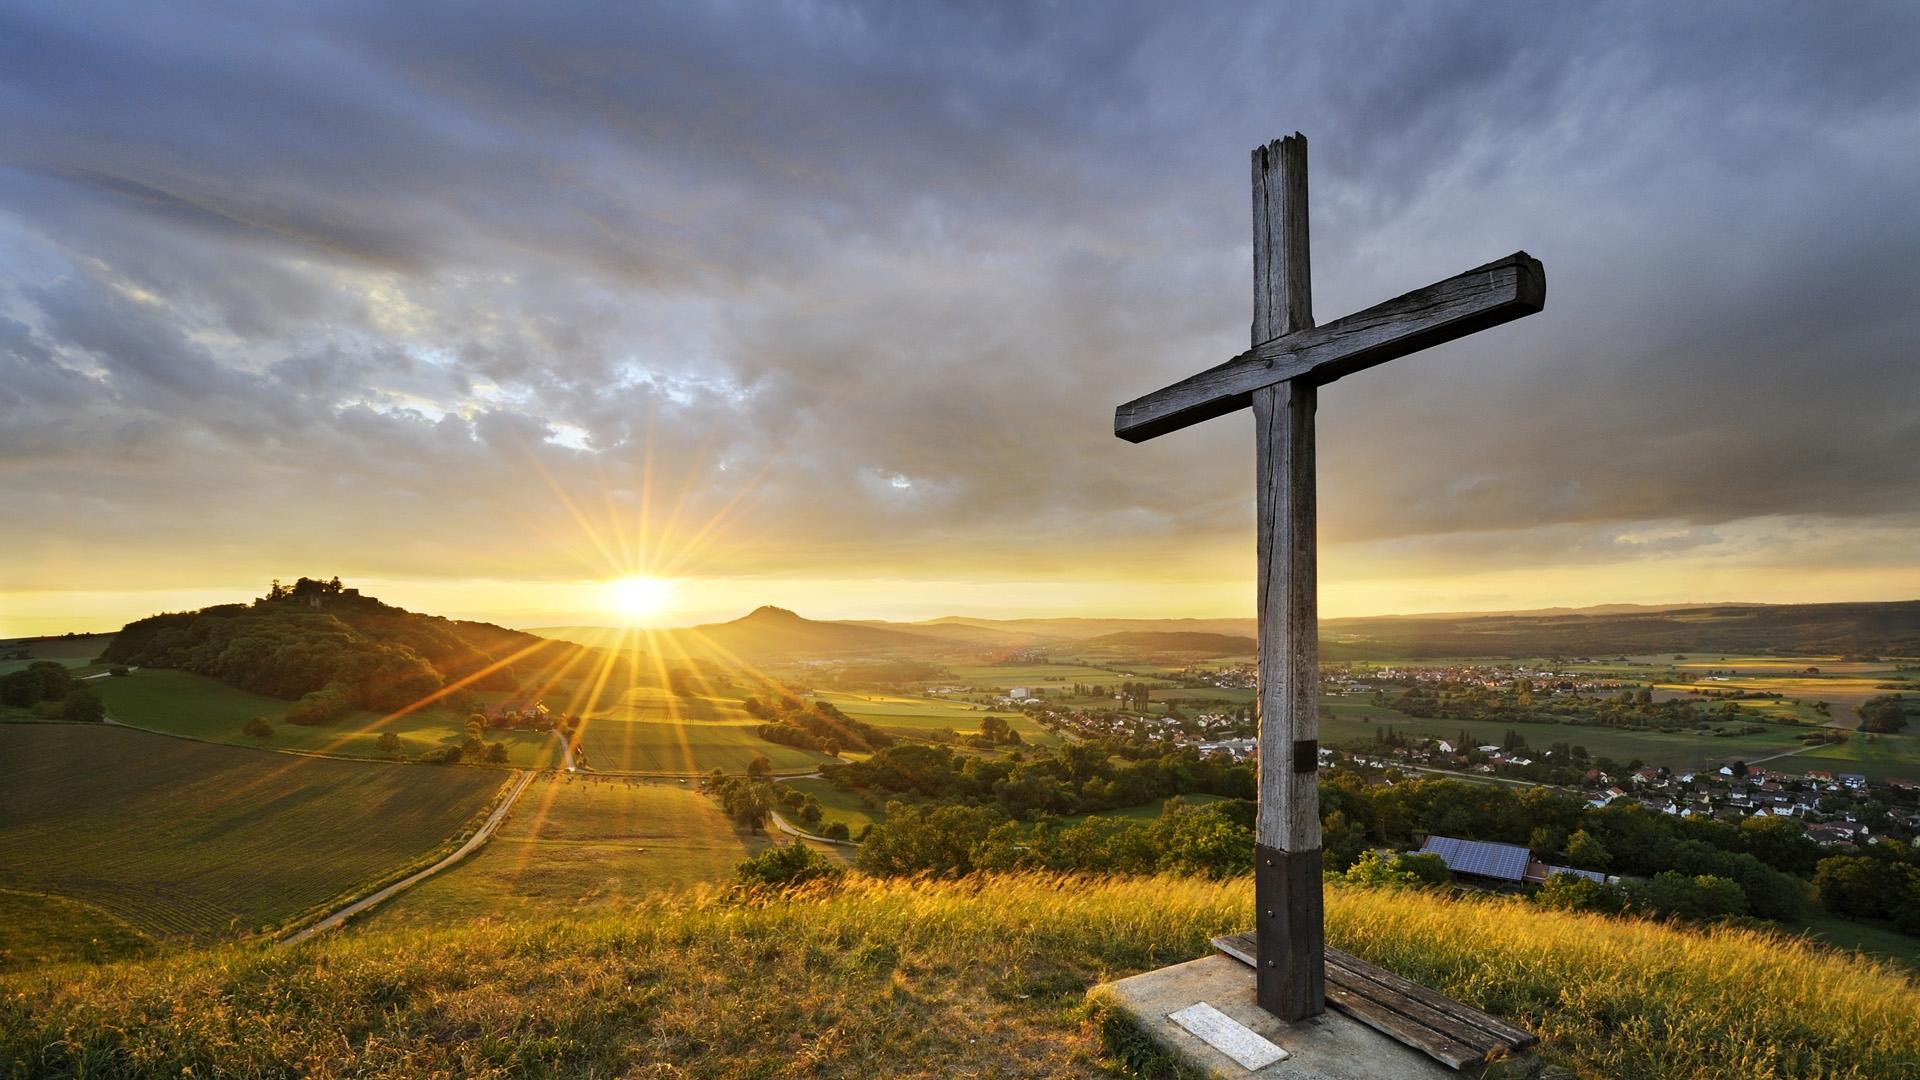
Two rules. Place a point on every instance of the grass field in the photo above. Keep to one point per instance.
(915, 716)
(38, 929)
(189, 839)
(914, 978)
(1874, 939)
(75, 652)
(1354, 720)
(576, 844)
(619, 746)
(1876, 757)
(839, 804)
(1044, 676)
(182, 703)
(652, 704)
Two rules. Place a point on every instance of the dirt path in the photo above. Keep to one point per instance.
(479, 837)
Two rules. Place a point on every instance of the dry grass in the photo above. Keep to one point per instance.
(897, 978)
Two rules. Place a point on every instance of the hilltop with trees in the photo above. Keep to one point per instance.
(331, 650)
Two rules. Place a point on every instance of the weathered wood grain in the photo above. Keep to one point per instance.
(1493, 1029)
(1485, 296)
(1432, 1043)
(1287, 823)
(1449, 1031)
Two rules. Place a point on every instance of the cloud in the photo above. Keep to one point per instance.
(329, 283)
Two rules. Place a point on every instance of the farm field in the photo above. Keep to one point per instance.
(914, 716)
(1844, 685)
(36, 929)
(1356, 723)
(1006, 676)
(77, 651)
(186, 839)
(1204, 693)
(652, 704)
(611, 745)
(199, 707)
(839, 804)
(578, 844)
(1877, 757)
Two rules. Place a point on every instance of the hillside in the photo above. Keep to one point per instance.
(982, 977)
(314, 635)
(1891, 629)
(773, 633)
(1803, 629)
(1174, 641)
(185, 839)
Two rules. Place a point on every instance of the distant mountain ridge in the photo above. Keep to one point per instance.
(1888, 628)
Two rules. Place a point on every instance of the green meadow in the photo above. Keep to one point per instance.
(986, 976)
(1007, 676)
(1876, 757)
(839, 804)
(611, 745)
(1355, 721)
(38, 929)
(77, 651)
(181, 703)
(575, 844)
(186, 839)
(916, 716)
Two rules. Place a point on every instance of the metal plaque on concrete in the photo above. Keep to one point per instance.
(1229, 1036)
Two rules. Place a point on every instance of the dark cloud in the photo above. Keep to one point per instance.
(862, 283)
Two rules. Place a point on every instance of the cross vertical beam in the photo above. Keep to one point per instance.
(1287, 900)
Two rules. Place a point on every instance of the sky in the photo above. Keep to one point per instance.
(828, 305)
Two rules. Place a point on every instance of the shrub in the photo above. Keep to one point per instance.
(84, 706)
(784, 866)
(258, 728)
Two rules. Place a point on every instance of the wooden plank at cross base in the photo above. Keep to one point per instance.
(1446, 1030)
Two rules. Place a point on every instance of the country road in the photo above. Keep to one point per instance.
(480, 836)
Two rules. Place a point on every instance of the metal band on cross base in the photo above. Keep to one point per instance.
(1288, 917)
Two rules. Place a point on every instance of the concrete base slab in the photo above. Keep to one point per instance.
(1331, 1046)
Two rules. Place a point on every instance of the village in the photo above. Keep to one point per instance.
(1839, 809)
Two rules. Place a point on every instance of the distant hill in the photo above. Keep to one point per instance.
(1175, 641)
(768, 633)
(1852, 628)
(1080, 629)
(318, 636)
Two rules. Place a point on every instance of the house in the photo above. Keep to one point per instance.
(1483, 860)
(1853, 780)
(1830, 834)
(1821, 775)
(1538, 872)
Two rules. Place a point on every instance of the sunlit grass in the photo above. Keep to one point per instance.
(982, 977)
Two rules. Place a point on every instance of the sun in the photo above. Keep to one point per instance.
(637, 599)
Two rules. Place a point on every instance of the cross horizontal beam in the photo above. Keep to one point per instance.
(1463, 304)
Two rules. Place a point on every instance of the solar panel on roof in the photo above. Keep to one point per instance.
(1508, 862)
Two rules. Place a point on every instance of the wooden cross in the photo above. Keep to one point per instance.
(1280, 378)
